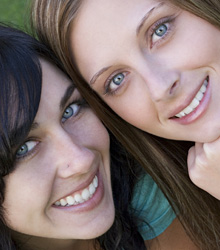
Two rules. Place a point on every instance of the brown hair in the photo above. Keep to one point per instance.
(164, 160)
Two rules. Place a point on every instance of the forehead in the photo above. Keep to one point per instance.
(53, 79)
(105, 24)
(54, 86)
(111, 12)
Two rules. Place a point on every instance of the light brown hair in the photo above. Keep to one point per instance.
(164, 160)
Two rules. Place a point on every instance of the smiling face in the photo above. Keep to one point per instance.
(156, 66)
(61, 187)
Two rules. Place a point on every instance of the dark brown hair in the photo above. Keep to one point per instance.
(20, 96)
(164, 160)
(20, 85)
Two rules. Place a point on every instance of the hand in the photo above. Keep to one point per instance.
(204, 166)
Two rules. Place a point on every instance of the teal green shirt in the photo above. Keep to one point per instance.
(151, 206)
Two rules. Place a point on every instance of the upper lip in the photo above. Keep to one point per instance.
(187, 101)
(79, 187)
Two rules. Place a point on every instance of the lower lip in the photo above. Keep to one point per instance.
(89, 204)
(199, 111)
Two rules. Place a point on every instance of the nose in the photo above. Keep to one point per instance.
(162, 83)
(71, 157)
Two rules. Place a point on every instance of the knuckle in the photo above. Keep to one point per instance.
(200, 162)
(195, 176)
(198, 171)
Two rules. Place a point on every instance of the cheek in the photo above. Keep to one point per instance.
(17, 196)
(89, 132)
(99, 136)
(134, 105)
(205, 52)
(196, 45)
(25, 198)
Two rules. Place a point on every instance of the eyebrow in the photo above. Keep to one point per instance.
(34, 126)
(98, 74)
(146, 16)
(65, 98)
(69, 91)
(143, 20)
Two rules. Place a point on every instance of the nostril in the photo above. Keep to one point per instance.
(172, 89)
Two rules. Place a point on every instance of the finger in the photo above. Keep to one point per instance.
(195, 162)
(194, 153)
(191, 157)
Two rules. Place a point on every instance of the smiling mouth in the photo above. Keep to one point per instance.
(195, 102)
(79, 197)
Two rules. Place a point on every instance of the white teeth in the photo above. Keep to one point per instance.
(182, 113)
(199, 96)
(188, 109)
(203, 89)
(92, 188)
(77, 198)
(95, 181)
(63, 202)
(57, 203)
(85, 194)
(70, 200)
(195, 102)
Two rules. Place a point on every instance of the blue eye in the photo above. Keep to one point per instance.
(26, 148)
(115, 82)
(118, 79)
(161, 30)
(71, 110)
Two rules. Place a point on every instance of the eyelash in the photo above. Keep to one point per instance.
(166, 21)
(110, 79)
(80, 102)
(29, 153)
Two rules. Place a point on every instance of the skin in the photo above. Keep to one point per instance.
(148, 60)
(160, 74)
(174, 238)
(60, 157)
(203, 166)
